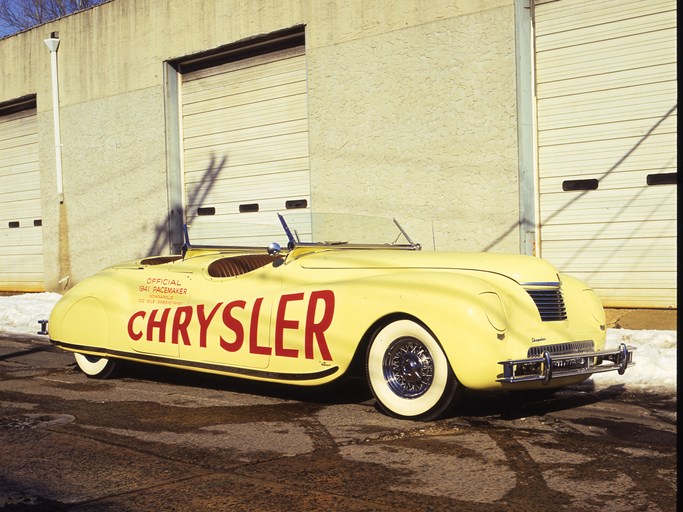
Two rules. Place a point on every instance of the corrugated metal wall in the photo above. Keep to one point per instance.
(607, 113)
(245, 147)
(21, 232)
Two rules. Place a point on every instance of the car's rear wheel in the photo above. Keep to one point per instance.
(409, 373)
(94, 366)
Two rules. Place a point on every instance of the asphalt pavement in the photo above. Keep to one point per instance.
(169, 440)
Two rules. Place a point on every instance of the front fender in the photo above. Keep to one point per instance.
(452, 306)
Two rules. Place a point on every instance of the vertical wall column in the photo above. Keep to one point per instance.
(526, 127)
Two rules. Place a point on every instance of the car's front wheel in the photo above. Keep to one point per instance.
(94, 366)
(409, 374)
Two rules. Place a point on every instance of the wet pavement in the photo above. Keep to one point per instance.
(163, 439)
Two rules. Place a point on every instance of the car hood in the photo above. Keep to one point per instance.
(523, 269)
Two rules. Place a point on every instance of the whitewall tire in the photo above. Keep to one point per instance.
(409, 374)
(94, 366)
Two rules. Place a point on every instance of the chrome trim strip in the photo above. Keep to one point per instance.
(180, 363)
(549, 302)
(567, 347)
(546, 369)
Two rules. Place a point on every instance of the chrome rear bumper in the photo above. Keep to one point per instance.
(548, 367)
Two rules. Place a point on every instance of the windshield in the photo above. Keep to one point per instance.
(340, 229)
(304, 228)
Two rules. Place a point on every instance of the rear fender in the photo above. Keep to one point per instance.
(85, 314)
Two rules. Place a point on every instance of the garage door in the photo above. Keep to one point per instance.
(245, 148)
(21, 238)
(607, 128)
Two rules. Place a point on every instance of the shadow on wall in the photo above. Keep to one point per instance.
(169, 231)
(176, 218)
(614, 168)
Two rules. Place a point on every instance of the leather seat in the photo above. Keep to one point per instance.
(238, 265)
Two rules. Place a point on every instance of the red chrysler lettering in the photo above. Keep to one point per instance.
(204, 322)
(281, 323)
(317, 331)
(254, 347)
(153, 323)
(234, 325)
(135, 335)
(181, 320)
(319, 314)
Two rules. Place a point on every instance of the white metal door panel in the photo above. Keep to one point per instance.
(596, 157)
(607, 123)
(245, 148)
(21, 237)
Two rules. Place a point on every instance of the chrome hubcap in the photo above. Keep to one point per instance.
(408, 367)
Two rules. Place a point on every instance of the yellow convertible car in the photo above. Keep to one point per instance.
(424, 324)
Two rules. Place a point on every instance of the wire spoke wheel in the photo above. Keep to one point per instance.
(408, 367)
(408, 372)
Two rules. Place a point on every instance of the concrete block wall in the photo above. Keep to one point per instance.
(412, 114)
